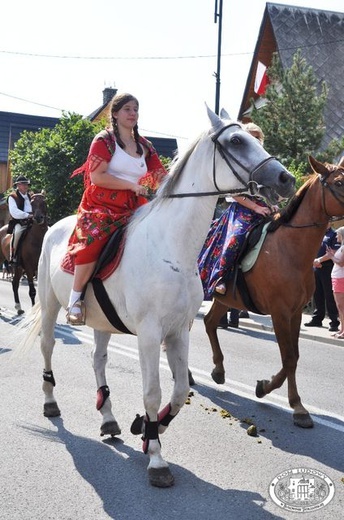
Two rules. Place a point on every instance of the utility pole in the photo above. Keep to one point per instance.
(217, 74)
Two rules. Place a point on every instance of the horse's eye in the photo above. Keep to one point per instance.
(339, 184)
(235, 140)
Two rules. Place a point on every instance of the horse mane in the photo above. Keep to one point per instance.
(176, 169)
(167, 186)
(285, 215)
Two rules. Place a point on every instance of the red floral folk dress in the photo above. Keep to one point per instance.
(102, 211)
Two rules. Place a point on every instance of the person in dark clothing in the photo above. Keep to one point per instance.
(233, 321)
(20, 209)
(323, 295)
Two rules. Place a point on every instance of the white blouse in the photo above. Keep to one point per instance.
(337, 271)
(124, 166)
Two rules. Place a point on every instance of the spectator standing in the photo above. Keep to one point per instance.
(233, 321)
(323, 295)
(337, 276)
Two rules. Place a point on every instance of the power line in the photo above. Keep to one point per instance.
(31, 102)
(189, 57)
(62, 57)
(62, 110)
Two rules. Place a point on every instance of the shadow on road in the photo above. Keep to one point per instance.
(117, 473)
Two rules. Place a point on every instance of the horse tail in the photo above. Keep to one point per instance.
(27, 332)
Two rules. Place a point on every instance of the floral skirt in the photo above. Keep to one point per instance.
(100, 213)
(222, 246)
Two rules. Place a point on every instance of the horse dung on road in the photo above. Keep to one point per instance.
(156, 289)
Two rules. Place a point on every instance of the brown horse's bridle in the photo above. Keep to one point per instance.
(229, 160)
(325, 184)
(45, 217)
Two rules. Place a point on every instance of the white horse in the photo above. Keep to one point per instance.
(156, 289)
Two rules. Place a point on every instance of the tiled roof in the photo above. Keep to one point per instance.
(320, 36)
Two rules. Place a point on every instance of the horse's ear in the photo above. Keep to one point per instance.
(224, 114)
(317, 166)
(214, 119)
(341, 163)
(43, 192)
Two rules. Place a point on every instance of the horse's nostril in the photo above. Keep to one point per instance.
(286, 177)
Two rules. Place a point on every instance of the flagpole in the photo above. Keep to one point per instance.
(217, 74)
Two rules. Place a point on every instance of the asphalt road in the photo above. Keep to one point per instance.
(62, 469)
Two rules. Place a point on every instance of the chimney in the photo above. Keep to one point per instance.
(108, 94)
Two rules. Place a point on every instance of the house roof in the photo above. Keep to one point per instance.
(12, 124)
(320, 36)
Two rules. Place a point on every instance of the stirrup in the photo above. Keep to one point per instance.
(77, 318)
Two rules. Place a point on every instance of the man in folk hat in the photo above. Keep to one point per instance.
(19, 206)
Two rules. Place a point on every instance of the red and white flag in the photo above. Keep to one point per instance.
(261, 80)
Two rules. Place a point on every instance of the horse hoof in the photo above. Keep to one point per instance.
(160, 477)
(191, 379)
(304, 420)
(137, 426)
(260, 392)
(51, 410)
(110, 428)
(20, 312)
(218, 377)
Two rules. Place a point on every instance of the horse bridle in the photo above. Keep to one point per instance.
(45, 217)
(228, 157)
(324, 184)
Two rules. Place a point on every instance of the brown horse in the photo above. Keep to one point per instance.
(282, 282)
(29, 249)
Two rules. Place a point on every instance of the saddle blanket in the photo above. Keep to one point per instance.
(108, 261)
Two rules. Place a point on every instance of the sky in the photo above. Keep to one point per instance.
(59, 56)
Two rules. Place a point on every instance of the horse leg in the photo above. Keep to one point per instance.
(109, 424)
(287, 335)
(49, 317)
(149, 341)
(32, 290)
(211, 321)
(177, 356)
(15, 287)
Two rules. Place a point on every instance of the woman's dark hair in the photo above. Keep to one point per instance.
(117, 103)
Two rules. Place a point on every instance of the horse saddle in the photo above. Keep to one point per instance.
(110, 255)
(106, 264)
(247, 258)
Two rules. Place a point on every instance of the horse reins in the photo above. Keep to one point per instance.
(226, 156)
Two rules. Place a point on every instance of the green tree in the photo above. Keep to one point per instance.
(49, 156)
(333, 153)
(292, 119)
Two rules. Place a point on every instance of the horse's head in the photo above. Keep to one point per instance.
(251, 164)
(332, 179)
(39, 208)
